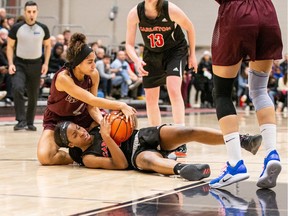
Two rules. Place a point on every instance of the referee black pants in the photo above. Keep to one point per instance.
(26, 79)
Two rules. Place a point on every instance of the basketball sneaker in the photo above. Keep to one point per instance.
(195, 172)
(272, 168)
(230, 175)
(251, 143)
(232, 204)
(181, 151)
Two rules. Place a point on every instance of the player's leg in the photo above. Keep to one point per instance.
(226, 113)
(48, 152)
(258, 80)
(152, 106)
(174, 136)
(154, 161)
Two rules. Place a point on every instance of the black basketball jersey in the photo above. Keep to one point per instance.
(100, 149)
(161, 33)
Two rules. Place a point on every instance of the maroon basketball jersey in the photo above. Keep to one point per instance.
(62, 103)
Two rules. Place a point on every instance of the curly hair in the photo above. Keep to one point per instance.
(77, 41)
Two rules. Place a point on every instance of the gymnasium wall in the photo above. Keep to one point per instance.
(92, 17)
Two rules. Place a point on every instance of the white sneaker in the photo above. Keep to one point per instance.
(3, 94)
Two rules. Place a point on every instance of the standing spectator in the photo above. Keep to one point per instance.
(203, 80)
(246, 31)
(165, 55)
(27, 38)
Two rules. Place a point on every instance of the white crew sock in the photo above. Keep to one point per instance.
(268, 132)
(233, 147)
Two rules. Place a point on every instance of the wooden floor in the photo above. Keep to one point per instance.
(27, 188)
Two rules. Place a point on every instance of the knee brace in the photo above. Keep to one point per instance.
(222, 94)
(258, 89)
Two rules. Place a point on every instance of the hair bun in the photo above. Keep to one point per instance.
(78, 37)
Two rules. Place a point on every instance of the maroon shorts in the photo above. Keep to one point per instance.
(247, 30)
(51, 119)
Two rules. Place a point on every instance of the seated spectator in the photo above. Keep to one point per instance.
(123, 72)
(276, 69)
(55, 63)
(100, 52)
(103, 67)
(282, 90)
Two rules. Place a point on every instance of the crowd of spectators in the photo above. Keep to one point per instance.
(120, 80)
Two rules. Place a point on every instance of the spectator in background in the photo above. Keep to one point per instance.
(27, 39)
(122, 69)
(243, 89)
(5, 83)
(100, 52)
(106, 77)
(284, 64)
(272, 88)
(3, 13)
(282, 89)
(3, 36)
(11, 21)
(203, 80)
(67, 35)
(53, 41)
(276, 69)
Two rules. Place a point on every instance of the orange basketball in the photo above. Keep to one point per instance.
(120, 129)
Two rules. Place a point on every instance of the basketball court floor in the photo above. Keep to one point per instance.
(27, 188)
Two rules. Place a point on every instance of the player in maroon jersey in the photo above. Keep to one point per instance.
(73, 97)
(246, 30)
(165, 54)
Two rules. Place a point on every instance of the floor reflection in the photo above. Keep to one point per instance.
(240, 199)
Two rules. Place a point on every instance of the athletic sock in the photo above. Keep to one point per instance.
(233, 147)
(268, 132)
(178, 167)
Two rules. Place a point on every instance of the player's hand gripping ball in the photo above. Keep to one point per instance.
(120, 129)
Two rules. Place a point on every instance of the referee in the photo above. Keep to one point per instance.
(27, 39)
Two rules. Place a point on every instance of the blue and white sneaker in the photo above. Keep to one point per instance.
(272, 168)
(230, 175)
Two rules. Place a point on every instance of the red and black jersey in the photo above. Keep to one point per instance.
(161, 33)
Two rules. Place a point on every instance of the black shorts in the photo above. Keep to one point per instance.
(171, 62)
(147, 139)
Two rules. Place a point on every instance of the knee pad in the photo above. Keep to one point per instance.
(258, 89)
(222, 94)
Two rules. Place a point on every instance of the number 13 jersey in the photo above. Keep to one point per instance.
(161, 33)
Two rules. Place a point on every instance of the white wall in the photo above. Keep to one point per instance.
(91, 17)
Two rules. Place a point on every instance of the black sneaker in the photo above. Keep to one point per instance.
(195, 172)
(181, 151)
(251, 143)
(20, 126)
(30, 128)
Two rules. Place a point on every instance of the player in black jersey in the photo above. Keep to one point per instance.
(146, 149)
(165, 53)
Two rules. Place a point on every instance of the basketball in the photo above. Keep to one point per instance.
(120, 129)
